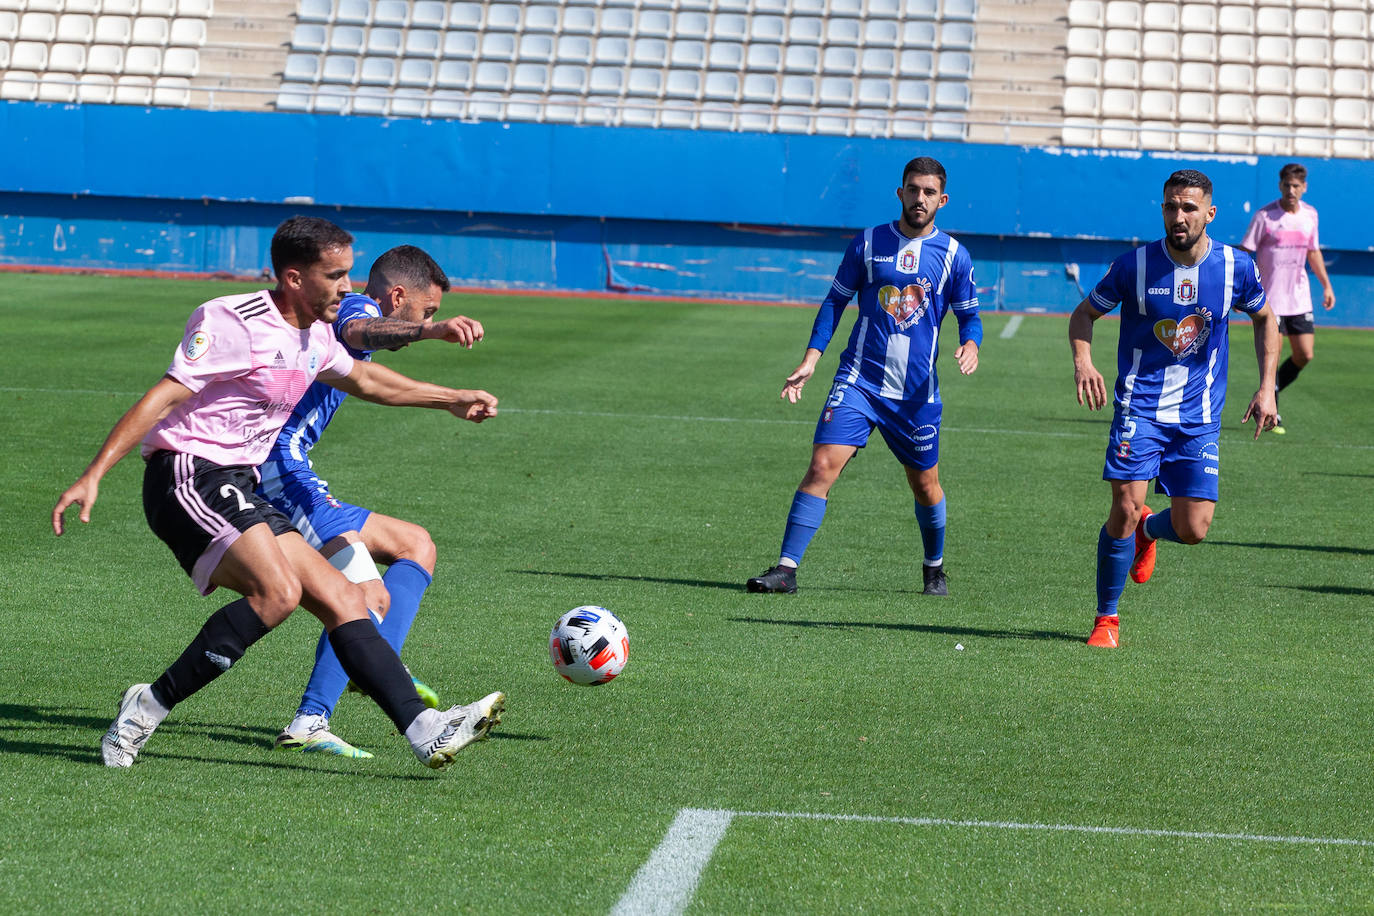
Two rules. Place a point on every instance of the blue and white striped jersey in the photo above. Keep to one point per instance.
(905, 287)
(1171, 360)
(320, 402)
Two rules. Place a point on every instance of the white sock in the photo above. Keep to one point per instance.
(788, 562)
(423, 727)
(150, 707)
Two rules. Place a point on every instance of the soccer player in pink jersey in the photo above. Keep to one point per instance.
(243, 363)
(1283, 238)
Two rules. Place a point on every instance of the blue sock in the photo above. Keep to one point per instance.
(802, 522)
(406, 581)
(932, 522)
(327, 681)
(1161, 526)
(1114, 558)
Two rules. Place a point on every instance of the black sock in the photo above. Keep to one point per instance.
(221, 642)
(1287, 372)
(373, 665)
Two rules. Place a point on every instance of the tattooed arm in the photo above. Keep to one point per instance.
(394, 333)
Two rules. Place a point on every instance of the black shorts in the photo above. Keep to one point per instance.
(199, 508)
(1296, 324)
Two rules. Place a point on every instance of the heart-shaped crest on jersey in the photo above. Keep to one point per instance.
(1179, 336)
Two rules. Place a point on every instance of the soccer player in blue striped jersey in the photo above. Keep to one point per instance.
(404, 289)
(1176, 295)
(907, 275)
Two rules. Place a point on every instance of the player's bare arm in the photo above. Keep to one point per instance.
(1318, 265)
(1264, 406)
(390, 333)
(381, 385)
(160, 400)
(967, 357)
(792, 388)
(1087, 381)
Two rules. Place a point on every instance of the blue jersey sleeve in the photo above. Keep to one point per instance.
(1249, 292)
(848, 279)
(963, 299)
(1118, 283)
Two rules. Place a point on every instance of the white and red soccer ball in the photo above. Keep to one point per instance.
(589, 645)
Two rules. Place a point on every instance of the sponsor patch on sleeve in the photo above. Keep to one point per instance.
(197, 344)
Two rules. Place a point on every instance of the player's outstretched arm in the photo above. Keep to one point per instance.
(381, 385)
(393, 333)
(792, 388)
(1263, 406)
(1087, 381)
(160, 400)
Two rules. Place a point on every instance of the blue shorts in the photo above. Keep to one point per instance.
(911, 431)
(293, 488)
(1182, 464)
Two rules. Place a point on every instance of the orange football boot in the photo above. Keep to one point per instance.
(1144, 566)
(1106, 632)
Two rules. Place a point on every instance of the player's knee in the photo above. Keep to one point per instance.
(1192, 531)
(276, 598)
(421, 549)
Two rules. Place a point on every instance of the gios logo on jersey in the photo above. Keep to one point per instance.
(905, 305)
(1186, 337)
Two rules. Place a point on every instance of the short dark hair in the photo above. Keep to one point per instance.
(301, 240)
(406, 265)
(1189, 178)
(924, 165)
(1293, 170)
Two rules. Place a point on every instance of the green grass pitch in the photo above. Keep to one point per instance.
(1219, 761)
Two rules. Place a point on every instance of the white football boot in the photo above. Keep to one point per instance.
(436, 737)
(130, 729)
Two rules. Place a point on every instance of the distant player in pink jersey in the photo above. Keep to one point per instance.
(1283, 238)
(244, 362)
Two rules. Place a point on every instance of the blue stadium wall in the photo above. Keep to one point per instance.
(557, 207)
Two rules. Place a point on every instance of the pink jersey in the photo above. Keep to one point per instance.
(247, 368)
(1281, 241)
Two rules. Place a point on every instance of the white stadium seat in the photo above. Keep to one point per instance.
(956, 96)
(395, 13)
(1312, 111)
(1158, 104)
(1198, 17)
(918, 64)
(1159, 46)
(1197, 106)
(183, 62)
(1236, 48)
(339, 68)
(42, 27)
(187, 32)
(1349, 81)
(501, 46)
(172, 91)
(914, 95)
(1274, 110)
(688, 54)
(725, 55)
(377, 71)
(535, 47)
(1349, 24)
(1236, 78)
(1158, 16)
(1082, 101)
(1124, 14)
(352, 12)
(464, 17)
(530, 78)
(1274, 20)
(423, 43)
(683, 84)
(453, 74)
(878, 61)
(1315, 22)
(650, 51)
(460, 45)
(134, 90)
(659, 23)
(760, 87)
(1121, 43)
(67, 58)
(958, 9)
(308, 37)
(689, 25)
(1085, 42)
(95, 89)
(840, 61)
(1198, 46)
(105, 59)
(1312, 81)
(496, 75)
(875, 93)
(346, 39)
(645, 82)
(723, 86)
(29, 55)
(954, 65)
(1123, 73)
(804, 30)
(1159, 74)
(1271, 78)
(1312, 51)
(1087, 13)
(836, 91)
(143, 60)
(1350, 113)
(1236, 20)
(428, 14)
(314, 11)
(1197, 76)
(1235, 108)
(1274, 49)
(881, 33)
(76, 27)
(1350, 52)
(371, 100)
(303, 68)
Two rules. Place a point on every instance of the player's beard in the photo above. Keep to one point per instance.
(1187, 243)
(914, 219)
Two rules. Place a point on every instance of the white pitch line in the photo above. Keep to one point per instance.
(1013, 324)
(1064, 828)
(665, 884)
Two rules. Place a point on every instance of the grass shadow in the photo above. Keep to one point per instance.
(706, 583)
(915, 628)
(1315, 548)
(1329, 589)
